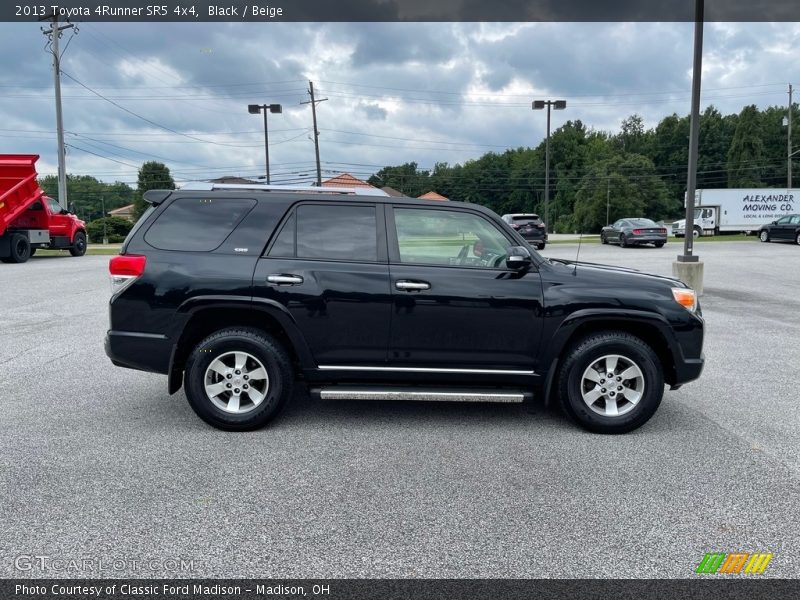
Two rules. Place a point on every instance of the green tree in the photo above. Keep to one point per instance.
(116, 229)
(746, 154)
(88, 194)
(622, 186)
(152, 176)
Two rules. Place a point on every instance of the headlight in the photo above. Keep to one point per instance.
(686, 297)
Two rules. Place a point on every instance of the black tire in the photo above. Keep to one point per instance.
(603, 239)
(19, 249)
(659, 244)
(797, 238)
(697, 232)
(764, 235)
(623, 241)
(78, 244)
(540, 246)
(587, 351)
(258, 344)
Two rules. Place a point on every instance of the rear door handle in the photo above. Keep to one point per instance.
(410, 286)
(284, 279)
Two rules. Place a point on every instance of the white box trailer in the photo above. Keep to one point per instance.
(738, 210)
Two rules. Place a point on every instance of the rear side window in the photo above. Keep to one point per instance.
(337, 232)
(197, 224)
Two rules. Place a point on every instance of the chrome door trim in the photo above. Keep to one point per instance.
(424, 370)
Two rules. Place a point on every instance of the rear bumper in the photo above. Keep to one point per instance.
(647, 239)
(141, 351)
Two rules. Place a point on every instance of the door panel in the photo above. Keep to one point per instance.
(455, 304)
(342, 309)
(466, 318)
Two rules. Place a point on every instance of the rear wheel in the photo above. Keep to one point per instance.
(659, 244)
(238, 379)
(764, 236)
(19, 249)
(540, 246)
(611, 382)
(623, 241)
(797, 238)
(78, 244)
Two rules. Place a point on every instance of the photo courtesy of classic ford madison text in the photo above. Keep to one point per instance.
(377, 300)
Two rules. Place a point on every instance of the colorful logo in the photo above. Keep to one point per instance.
(736, 562)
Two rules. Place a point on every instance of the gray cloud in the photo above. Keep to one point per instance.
(439, 91)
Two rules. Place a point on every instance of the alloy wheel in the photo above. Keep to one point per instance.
(236, 382)
(612, 385)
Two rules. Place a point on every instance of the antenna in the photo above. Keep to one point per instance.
(577, 254)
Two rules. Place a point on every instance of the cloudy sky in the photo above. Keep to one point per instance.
(396, 92)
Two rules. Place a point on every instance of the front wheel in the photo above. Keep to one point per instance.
(78, 244)
(696, 232)
(764, 236)
(603, 239)
(611, 382)
(238, 379)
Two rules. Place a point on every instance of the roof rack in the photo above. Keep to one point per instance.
(207, 186)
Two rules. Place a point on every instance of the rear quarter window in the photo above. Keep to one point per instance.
(197, 224)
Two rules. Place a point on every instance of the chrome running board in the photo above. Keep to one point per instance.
(422, 395)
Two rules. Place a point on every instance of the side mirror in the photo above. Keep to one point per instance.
(518, 258)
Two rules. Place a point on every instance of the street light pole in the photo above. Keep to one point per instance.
(688, 267)
(789, 141)
(557, 105)
(254, 109)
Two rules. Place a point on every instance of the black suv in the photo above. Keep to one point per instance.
(239, 293)
(529, 226)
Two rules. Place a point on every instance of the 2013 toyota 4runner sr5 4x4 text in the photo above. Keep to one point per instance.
(240, 293)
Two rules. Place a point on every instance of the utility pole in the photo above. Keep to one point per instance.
(608, 199)
(789, 141)
(313, 103)
(53, 34)
(688, 267)
(105, 222)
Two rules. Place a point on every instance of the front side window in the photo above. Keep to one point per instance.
(784, 221)
(54, 206)
(448, 238)
(197, 224)
(331, 232)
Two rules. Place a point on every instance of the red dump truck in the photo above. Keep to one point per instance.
(29, 219)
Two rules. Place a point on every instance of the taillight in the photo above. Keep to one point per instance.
(540, 225)
(637, 231)
(515, 226)
(663, 230)
(124, 270)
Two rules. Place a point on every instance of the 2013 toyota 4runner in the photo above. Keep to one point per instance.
(239, 292)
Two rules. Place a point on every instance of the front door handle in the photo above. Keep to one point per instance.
(284, 279)
(410, 286)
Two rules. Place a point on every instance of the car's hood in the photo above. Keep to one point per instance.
(604, 272)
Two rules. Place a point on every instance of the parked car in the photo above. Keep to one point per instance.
(530, 227)
(634, 232)
(239, 293)
(785, 229)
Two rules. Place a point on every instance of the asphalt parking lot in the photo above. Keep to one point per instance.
(100, 462)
